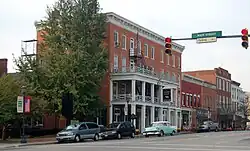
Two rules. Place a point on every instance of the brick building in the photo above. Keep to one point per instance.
(143, 80)
(3, 66)
(198, 101)
(222, 79)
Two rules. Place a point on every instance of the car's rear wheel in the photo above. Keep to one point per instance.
(172, 134)
(96, 137)
(133, 135)
(77, 138)
(161, 134)
(119, 136)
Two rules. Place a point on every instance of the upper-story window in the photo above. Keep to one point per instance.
(179, 62)
(116, 64)
(116, 38)
(146, 50)
(152, 53)
(162, 56)
(124, 42)
(139, 47)
(173, 59)
(173, 77)
(168, 60)
(132, 43)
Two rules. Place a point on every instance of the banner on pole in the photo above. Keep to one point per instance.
(20, 104)
(27, 104)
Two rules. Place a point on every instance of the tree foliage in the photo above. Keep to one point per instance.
(71, 56)
(9, 91)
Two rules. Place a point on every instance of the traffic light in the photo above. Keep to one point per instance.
(244, 38)
(168, 46)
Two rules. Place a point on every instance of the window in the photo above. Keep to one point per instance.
(124, 42)
(132, 44)
(139, 47)
(116, 38)
(183, 99)
(83, 126)
(162, 56)
(173, 59)
(173, 77)
(168, 61)
(179, 62)
(92, 125)
(115, 62)
(146, 50)
(195, 103)
(124, 65)
(152, 53)
(187, 98)
(191, 100)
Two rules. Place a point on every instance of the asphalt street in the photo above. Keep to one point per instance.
(213, 141)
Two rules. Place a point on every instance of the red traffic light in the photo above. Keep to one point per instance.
(244, 31)
(168, 40)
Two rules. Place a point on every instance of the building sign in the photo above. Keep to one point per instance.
(166, 95)
(20, 104)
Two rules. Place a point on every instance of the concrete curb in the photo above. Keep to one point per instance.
(55, 142)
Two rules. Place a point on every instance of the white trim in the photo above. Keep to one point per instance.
(125, 42)
(133, 27)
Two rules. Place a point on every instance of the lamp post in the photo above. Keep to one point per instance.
(23, 138)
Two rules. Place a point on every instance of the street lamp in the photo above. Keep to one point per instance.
(23, 138)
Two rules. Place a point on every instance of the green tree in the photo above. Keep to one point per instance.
(71, 58)
(9, 91)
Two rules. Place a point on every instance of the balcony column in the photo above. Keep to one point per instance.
(133, 111)
(143, 90)
(161, 114)
(161, 94)
(152, 114)
(176, 118)
(111, 90)
(169, 116)
(110, 113)
(172, 94)
(152, 93)
(143, 117)
(133, 90)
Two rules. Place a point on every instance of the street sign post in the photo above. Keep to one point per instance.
(207, 34)
(20, 105)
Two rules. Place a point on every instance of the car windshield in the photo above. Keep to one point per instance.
(71, 127)
(156, 124)
(113, 125)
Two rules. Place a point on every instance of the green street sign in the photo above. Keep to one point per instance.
(207, 34)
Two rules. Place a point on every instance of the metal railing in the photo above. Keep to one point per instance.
(138, 98)
(144, 71)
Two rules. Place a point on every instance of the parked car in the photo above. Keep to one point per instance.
(78, 132)
(119, 130)
(160, 128)
(208, 126)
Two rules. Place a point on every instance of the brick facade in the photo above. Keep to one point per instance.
(3, 66)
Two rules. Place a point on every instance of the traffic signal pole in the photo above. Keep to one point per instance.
(229, 36)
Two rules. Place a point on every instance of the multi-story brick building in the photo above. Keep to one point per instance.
(198, 101)
(143, 80)
(222, 79)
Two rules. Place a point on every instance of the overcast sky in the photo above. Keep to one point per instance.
(176, 18)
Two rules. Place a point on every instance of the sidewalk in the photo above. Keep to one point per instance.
(12, 143)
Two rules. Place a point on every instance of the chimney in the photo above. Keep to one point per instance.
(3, 66)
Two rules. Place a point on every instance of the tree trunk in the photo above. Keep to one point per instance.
(4, 133)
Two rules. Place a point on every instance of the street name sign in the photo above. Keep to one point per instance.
(20, 101)
(207, 34)
(206, 40)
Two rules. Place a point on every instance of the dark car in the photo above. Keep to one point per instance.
(119, 130)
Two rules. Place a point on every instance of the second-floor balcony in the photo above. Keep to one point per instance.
(145, 72)
(127, 98)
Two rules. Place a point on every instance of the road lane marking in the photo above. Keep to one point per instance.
(162, 148)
